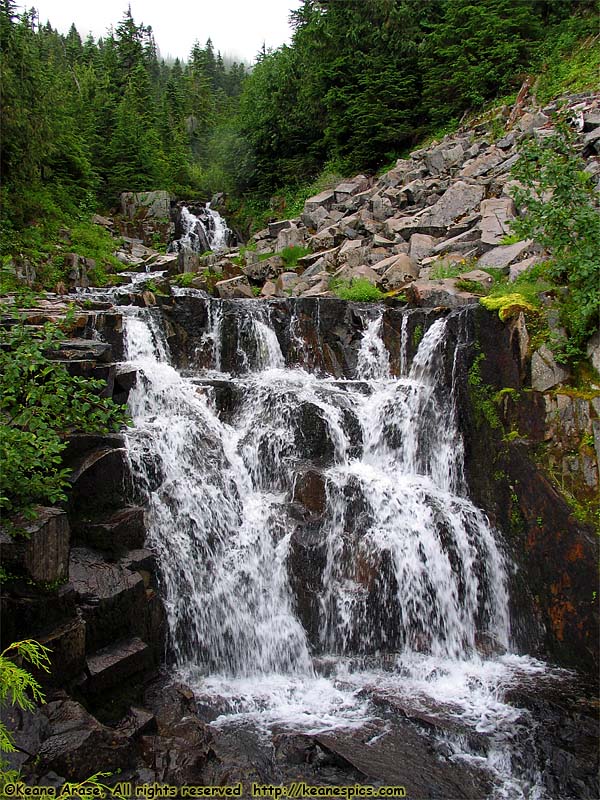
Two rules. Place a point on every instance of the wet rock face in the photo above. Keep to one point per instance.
(553, 591)
(322, 335)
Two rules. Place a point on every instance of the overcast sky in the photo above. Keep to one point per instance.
(237, 27)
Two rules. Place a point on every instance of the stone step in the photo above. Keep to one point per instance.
(111, 666)
(111, 597)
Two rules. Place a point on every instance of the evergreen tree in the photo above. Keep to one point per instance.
(476, 51)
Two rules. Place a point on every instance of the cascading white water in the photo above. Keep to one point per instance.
(411, 567)
(429, 551)
(208, 231)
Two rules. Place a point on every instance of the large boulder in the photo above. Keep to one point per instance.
(352, 253)
(483, 163)
(421, 246)
(274, 228)
(545, 372)
(362, 272)
(324, 199)
(268, 268)
(398, 274)
(77, 744)
(285, 283)
(502, 257)
(343, 191)
(458, 200)
(290, 237)
(146, 205)
(444, 156)
(439, 293)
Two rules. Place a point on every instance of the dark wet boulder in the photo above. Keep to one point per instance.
(100, 481)
(77, 745)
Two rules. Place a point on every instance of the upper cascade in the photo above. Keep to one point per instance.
(206, 230)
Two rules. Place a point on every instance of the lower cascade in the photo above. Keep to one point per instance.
(321, 563)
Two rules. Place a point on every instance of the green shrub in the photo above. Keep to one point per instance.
(471, 286)
(446, 270)
(561, 204)
(40, 403)
(358, 290)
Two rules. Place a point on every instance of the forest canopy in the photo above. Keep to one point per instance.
(360, 82)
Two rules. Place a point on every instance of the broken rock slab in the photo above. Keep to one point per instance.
(545, 372)
(234, 288)
(325, 199)
(522, 266)
(495, 219)
(403, 270)
(503, 257)
(113, 665)
(112, 597)
(43, 552)
(460, 199)
(421, 246)
(77, 743)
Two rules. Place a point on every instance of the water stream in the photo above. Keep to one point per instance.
(316, 544)
(204, 231)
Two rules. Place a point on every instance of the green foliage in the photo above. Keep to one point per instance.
(445, 269)
(477, 51)
(562, 215)
(569, 57)
(358, 290)
(184, 279)
(417, 335)
(17, 686)
(482, 397)
(471, 286)
(291, 255)
(83, 123)
(41, 403)
(507, 305)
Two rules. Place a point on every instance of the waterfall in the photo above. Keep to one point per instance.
(390, 575)
(205, 231)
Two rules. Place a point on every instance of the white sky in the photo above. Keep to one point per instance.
(237, 28)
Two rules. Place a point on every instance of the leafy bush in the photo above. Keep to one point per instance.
(561, 214)
(358, 290)
(40, 404)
